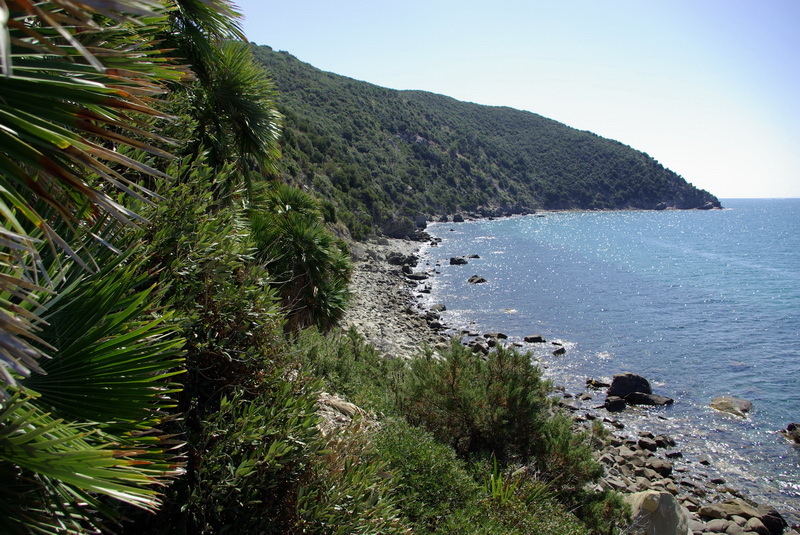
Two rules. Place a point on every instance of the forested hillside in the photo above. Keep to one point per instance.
(379, 155)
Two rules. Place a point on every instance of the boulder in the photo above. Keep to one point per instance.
(458, 218)
(647, 443)
(399, 259)
(661, 466)
(640, 398)
(475, 279)
(458, 261)
(718, 525)
(402, 227)
(657, 513)
(498, 335)
(712, 511)
(560, 351)
(736, 406)
(614, 404)
(772, 519)
(479, 347)
(792, 432)
(626, 383)
(757, 526)
(570, 405)
(596, 383)
(438, 307)
(535, 339)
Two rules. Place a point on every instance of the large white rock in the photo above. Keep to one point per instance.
(736, 406)
(657, 513)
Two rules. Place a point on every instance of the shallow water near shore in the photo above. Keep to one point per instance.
(702, 303)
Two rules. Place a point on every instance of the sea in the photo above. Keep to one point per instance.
(702, 303)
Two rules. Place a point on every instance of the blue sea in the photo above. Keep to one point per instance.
(702, 303)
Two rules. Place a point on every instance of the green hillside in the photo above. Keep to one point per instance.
(380, 155)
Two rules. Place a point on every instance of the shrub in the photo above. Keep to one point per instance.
(348, 489)
(432, 483)
(495, 405)
(350, 367)
(253, 453)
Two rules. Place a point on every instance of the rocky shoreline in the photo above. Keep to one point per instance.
(668, 492)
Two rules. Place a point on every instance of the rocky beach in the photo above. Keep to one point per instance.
(669, 491)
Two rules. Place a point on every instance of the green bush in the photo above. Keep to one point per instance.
(493, 405)
(432, 483)
(349, 489)
(252, 454)
(350, 367)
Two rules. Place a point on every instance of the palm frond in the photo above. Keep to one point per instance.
(74, 88)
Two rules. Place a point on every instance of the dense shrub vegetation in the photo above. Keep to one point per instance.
(378, 154)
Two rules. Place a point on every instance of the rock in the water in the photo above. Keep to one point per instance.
(458, 261)
(438, 307)
(640, 398)
(736, 406)
(615, 404)
(792, 432)
(498, 335)
(535, 339)
(657, 513)
(625, 383)
(560, 351)
(596, 383)
(475, 279)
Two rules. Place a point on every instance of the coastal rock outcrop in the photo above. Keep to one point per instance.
(535, 339)
(626, 383)
(458, 261)
(615, 404)
(657, 513)
(792, 432)
(640, 398)
(732, 405)
(476, 279)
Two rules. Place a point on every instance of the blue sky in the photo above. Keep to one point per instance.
(709, 88)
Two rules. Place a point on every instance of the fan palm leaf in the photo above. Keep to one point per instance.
(74, 87)
(88, 426)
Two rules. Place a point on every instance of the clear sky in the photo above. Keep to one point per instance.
(709, 88)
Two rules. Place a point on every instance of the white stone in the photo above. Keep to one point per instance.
(657, 513)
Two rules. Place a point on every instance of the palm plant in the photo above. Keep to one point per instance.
(76, 84)
(308, 265)
(86, 427)
(79, 87)
(233, 99)
(235, 112)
